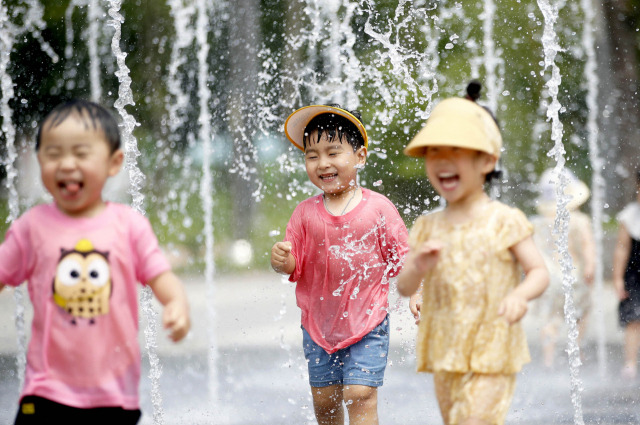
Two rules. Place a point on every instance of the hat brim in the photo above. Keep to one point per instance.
(460, 123)
(296, 123)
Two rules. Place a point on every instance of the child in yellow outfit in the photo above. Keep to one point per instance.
(469, 258)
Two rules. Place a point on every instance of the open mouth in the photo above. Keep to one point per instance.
(449, 181)
(328, 177)
(70, 187)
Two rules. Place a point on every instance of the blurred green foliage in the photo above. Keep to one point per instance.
(170, 161)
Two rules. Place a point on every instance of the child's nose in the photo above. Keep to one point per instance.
(68, 162)
(324, 161)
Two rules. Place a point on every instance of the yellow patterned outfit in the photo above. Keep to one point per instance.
(472, 351)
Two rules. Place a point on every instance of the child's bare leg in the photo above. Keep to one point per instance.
(549, 338)
(362, 404)
(631, 346)
(327, 404)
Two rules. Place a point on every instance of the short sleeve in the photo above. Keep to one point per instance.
(150, 261)
(13, 256)
(512, 228)
(630, 218)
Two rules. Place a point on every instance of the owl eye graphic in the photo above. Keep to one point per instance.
(69, 272)
(98, 272)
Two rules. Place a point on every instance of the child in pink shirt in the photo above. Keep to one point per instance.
(81, 258)
(341, 248)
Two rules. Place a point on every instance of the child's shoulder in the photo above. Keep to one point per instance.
(377, 198)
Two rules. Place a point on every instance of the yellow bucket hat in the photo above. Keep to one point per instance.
(459, 123)
(296, 122)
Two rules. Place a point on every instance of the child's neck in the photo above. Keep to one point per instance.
(467, 209)
(90, 212)
(343, 202)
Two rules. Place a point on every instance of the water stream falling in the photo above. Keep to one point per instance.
(136, 177)
(410, 47)
(561, 224)
(206, 186)
(7, 38)
(597, 181)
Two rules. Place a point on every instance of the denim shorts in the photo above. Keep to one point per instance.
(362, 363)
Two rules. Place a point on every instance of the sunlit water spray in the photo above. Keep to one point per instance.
(206, 186)
(561, 224)
(393, 51)
(7, 38)
(33, 24)
(136, 178)
(597, 164)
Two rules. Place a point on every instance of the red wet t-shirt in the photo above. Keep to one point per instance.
(343, 266)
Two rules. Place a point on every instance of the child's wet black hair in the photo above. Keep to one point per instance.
(97, 115)
(335, 125)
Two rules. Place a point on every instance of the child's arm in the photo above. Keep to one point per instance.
(620, 258)
(417, 263)
(536, 280)
(175, 316)
(588, 255)
(282, 260)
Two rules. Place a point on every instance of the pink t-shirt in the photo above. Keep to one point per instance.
(343, 266)
(82, 275)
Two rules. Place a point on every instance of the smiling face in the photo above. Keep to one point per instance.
(331, 165)
(457, 174)
(75, 162)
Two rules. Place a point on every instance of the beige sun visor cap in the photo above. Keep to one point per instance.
(459, 123)
(296, 123)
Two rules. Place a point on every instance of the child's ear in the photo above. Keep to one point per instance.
(361, 154)
(489, 163)
(116, 160)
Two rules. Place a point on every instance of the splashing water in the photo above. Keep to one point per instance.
(206, 186)
(399, 69)
(561, 224)
(125, 97)
(93, 15)
(597, 165)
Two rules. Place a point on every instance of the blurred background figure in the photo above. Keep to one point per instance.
(550, 306)
(626, 279)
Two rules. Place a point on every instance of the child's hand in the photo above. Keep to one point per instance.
(175, 318)
(281, 257)
(513, 307)
(618, 283)
(415, 305)
(427, 255)
(418, 262)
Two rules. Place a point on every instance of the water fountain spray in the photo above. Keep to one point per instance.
(561, 224)
(597, 164)
(206, 185)
(136, 177)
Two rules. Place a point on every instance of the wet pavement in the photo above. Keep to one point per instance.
(260, 375)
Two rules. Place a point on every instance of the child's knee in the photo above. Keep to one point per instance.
(360, 394)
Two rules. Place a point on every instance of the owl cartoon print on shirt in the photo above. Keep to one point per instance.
(82, 284)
